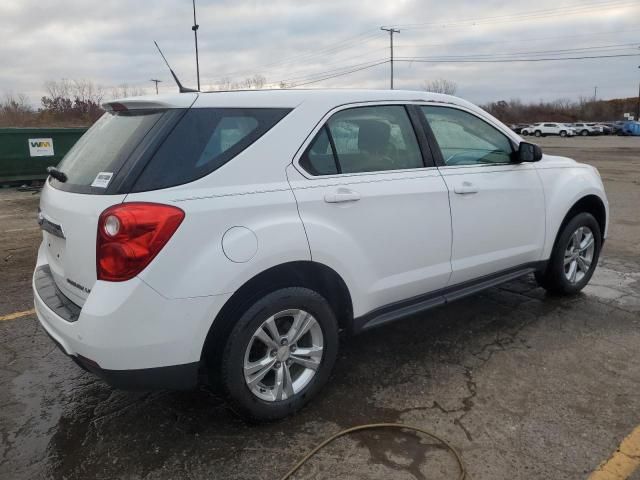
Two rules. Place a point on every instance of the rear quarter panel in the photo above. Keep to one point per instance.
(250, 191)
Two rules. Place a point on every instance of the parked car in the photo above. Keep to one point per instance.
(543, 129)
(519, 126)
(598, 128)
(229, 237)
(630, 128)
(618, 126)
(607, 128)
(586, 129)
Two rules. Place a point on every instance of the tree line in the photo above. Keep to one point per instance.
(67, 103)
(78, 103)
(564, 110)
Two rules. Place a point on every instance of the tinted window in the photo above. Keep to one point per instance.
(106, 146)
(203, 141)
(465, 139)
(366, 139)
(319, 158)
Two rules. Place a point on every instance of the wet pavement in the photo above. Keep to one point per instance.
(524, 385)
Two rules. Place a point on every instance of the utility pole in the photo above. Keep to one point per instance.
(195, 34)
(156, 81)
(391, 31)
(595, 93)
(638, 112)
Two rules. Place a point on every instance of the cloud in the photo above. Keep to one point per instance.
(111, 43)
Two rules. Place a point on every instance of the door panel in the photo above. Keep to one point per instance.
(373, 207)
(390, 237)
(498, 218)
(497, 207)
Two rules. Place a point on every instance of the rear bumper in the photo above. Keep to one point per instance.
(173, 377)
(127, 333)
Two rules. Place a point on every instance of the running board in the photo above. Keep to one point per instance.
(406, 308)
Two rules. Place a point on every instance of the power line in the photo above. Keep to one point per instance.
(309, 76)
(616, 47)
(513, 60)
(341, 74)
(329, 49)
(519, 41)
(527, 15)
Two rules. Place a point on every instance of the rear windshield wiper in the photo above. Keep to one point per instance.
(57, 174)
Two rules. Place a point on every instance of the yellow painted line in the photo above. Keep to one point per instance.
(624, 461)
(14, 315)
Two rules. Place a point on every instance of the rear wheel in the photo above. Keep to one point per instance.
(279, 354)
(584, 133)
(563, 133)
(574, 256)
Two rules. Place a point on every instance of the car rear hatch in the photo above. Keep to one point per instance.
(99, 170)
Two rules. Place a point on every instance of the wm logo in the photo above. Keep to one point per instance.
(40, 144)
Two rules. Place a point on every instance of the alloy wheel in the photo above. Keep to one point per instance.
(578, 255)
(283, 355)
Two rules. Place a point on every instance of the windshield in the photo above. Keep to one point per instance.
(104, 148)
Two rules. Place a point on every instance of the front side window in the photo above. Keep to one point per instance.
(465, 139)
(364, 139)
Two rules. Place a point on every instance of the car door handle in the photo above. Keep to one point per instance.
(466, 188)
(341, 196)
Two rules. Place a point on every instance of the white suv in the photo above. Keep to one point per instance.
(542, 129)
(585, 129)
(229, 237)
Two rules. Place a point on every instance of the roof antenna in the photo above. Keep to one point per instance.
(181, 89)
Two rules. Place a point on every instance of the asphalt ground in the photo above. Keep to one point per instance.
(524, 385)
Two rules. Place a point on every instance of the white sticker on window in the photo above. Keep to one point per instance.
(102, 179)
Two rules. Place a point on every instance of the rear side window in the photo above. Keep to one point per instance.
(203, 141)
(105, 147)
(364, 139)
(319, 159)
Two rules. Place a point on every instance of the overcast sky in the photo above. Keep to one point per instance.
(111, 42)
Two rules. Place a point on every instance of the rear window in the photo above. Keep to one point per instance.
(103, 149)
(203, 141)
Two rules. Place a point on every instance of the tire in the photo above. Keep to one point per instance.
(267, 402)
(524, 133)
(563, 133)
(538, 133)
(555, 278)
(584, 133)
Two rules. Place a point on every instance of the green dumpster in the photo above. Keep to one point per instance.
(25, 153)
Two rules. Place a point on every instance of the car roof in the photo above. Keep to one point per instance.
(282, 98)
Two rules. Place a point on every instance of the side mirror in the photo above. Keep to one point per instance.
(528, 152)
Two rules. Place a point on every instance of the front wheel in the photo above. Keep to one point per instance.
(538, 133)
(279, 354)
(584, 133)
(574, 256)
(563, 133)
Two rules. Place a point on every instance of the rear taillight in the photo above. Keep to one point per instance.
(130, 235)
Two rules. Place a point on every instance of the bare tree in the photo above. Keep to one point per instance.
(59, 88)
(441, 85)
(86, 90)
(124, 90)
(15, 110)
